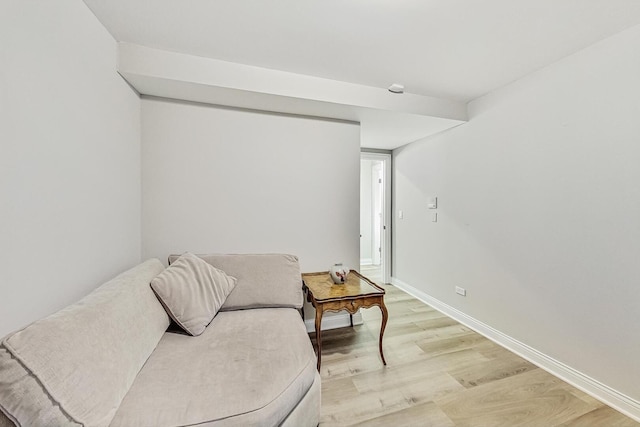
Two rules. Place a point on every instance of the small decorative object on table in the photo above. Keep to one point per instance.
(339, 274)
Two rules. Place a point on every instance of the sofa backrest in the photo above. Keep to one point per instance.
(75, 366)
(264, 280)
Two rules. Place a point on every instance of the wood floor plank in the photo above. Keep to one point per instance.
(336, 391)
(440, 373)
(530, 398)
(437, 323)
(600, 417)
(424, 415)
(493, 370)
(362, 407)
(436, 382)
(442, 344)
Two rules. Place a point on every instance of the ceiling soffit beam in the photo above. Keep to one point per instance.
(193, 78)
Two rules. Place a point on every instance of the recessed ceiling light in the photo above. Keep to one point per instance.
(396, 88)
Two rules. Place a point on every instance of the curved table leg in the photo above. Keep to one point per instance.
(385, 317)
(319, 334)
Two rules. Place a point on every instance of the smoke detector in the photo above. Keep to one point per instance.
(396, 88)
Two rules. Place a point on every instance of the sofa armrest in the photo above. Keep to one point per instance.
(264, 280)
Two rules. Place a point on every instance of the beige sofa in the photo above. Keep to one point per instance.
(108, 360)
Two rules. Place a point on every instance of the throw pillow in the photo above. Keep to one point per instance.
(192, 291)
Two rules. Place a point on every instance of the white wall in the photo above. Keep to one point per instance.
(227, 180)
(70, 162)
(539, 203)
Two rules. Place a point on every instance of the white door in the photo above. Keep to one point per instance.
(375, 212)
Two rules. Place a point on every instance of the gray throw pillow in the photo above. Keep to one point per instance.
(192, 291)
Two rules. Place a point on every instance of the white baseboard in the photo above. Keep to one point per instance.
(333, 321)
(598, 390)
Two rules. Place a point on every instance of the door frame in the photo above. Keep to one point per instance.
(385, 238)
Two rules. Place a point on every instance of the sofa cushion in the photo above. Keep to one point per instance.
(82, 360)
(264, 280)
(249, 367)
(192, 291)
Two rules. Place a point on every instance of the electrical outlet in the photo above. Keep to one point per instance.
(461, 291)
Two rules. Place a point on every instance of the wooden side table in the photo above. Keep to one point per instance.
(358, 292)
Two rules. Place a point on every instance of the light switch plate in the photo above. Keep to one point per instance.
(432, 202)
(434, 217)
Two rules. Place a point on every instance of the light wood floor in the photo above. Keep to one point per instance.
(442, 374)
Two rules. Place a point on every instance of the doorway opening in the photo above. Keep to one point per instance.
(375, 216)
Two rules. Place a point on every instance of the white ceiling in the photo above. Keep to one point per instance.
(452, 49)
